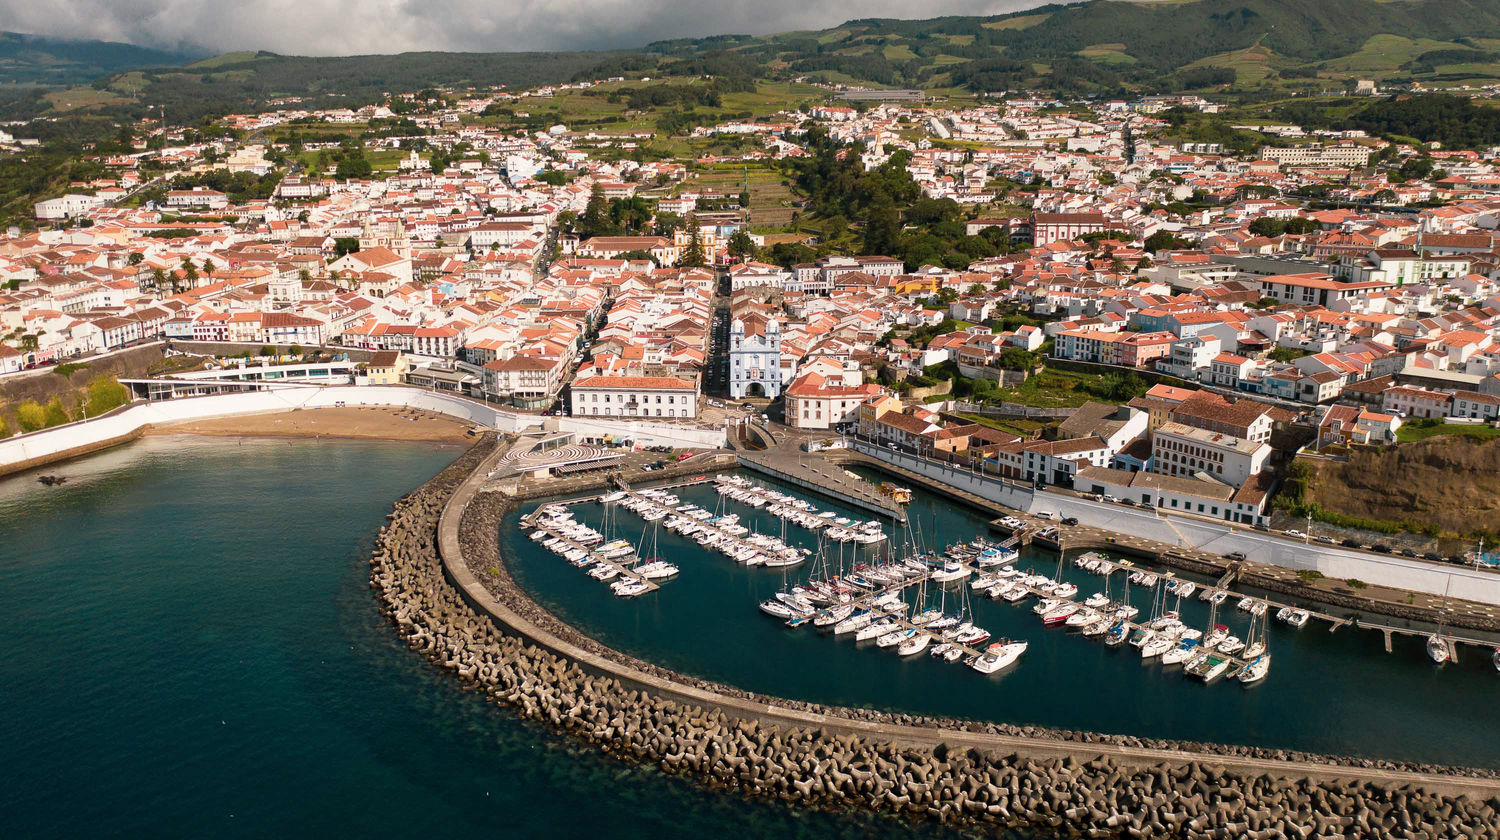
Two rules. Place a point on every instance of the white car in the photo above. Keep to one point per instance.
(1045, 514)
(1292, 532)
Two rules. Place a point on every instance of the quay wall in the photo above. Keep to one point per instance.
(442, 541)
(759, 465)
(1221, 538)
(61, 442)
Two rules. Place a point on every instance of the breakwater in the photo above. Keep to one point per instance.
(955, 771)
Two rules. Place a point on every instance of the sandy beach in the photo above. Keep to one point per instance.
(349, 422)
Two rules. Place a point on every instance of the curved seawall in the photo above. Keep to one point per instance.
(439, 576)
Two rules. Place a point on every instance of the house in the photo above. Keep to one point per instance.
(1053, 227)
(386, 367)
(525, 381)
(1415, 402)
(815, 401)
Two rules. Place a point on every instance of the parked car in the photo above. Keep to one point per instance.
(1327, 540)
(1046, 514)
(1070, 520)
(1128, 502)
(1236, 556)
(1293, 532)
(1381, 548)
(1406, 552)
(1433, 556)
(1348, 543)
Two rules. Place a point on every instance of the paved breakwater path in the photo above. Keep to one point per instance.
(438, 574)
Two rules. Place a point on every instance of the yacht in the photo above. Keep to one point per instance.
(776, 609)
(874, 630)
(1209, 667)
(1437, 648)
(1256, 670)
(952, 570)
(1231, 645)
(656, 570)
(998, 655)
(1098, 626)
(1158, 645)
(604, 573)
(1185, 650)
(895, 637)
(629, 588)
(1059, 614)
(1117, 634)
(917, 643)
(834, 615)
(1096, 600)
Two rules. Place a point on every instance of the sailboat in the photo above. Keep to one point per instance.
(1437, 647)
(1256, 670)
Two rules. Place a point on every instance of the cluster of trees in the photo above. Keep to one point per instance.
(1297, 226)
(1454, 121)
(102, 394)
(238, 186)
(929, 232)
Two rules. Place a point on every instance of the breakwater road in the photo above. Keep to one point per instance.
(956, 776)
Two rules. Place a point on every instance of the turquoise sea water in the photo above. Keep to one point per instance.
(1326, 692)
(190, 648)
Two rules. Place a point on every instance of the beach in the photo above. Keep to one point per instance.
(370, 422)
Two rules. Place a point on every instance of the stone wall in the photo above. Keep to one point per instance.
(953, 771)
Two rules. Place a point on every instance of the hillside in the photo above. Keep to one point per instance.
(33, 60)
(1167, 45)
(1451, 481)
(1256, 50)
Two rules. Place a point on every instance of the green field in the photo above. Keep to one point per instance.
(1411, 432)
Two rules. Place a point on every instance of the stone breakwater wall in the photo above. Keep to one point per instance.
(960, 778)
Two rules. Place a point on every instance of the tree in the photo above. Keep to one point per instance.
(882, 225)
(295, 349)
(693, 256)
(136, 258)
(345, 245)
(354, 165)
(595, 219)
(744, 198)
(30, 416)
(159, 279)
(267, 350)
(56, 415)
(104, 394)
(975, 289)
(1015, 358)
(208, 267)
(741, 246)
(1163, 240)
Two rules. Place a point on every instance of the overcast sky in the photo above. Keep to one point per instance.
(344, 27)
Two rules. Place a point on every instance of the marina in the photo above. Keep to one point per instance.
(1348, 695)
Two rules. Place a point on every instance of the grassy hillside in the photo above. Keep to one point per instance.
(1107, 44)
(1257, 50)
(32, 60)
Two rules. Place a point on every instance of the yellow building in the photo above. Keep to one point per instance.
(386, 367)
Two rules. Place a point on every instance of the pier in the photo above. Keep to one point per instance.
(529, 522)
(823, 476)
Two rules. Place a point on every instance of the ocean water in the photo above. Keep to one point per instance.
(190, 648)
(1326, 692)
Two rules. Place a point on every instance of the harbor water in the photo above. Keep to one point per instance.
(1326, 692)
(192, 649)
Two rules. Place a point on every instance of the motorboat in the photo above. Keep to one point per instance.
(1098, 626)
(1081, 618)
(1218, 634)
(604, 572)
(1059, 614)
(952, 570)
(1245, 603)
(1065, 590)
(629, 588)
(1260, 608)
(1157, 645)
(656, 570)
(1096, 600)
(1256, 670)
(1218, 597)
(833, 615)
(998, 655)
(1185, 589)
(1231, 645)
(1117, 634)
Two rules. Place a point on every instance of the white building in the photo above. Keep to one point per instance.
(635, 396)
(1185, 451)
(66, 207)
(755, 357)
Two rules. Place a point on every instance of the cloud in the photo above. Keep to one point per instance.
(345, 27)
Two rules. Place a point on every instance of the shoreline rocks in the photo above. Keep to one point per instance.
(1067, 796)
